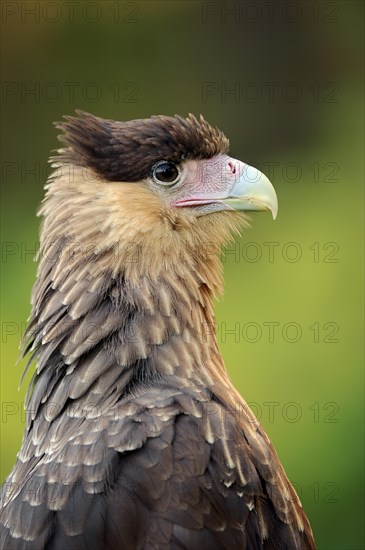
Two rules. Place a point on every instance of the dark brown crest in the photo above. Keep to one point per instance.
(126, 151)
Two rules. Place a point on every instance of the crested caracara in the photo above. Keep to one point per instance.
(136, 437)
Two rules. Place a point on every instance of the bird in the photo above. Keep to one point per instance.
(135, 436)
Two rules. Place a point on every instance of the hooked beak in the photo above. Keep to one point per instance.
(230, 184)
(252, 191)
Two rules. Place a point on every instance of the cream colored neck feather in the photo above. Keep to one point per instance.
(166, 264)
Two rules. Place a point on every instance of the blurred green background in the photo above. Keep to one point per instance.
(284, 80)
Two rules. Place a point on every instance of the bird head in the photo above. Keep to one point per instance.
(163, 179)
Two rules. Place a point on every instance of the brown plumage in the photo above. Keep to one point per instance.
(127, 150)
(136, 437)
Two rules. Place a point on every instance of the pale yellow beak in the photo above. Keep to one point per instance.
(252, 191)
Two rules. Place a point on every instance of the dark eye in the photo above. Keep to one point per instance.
(165, 172)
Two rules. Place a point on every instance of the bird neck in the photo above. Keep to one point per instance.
(110, 312)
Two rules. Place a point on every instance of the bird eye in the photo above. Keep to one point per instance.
(165, 172)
